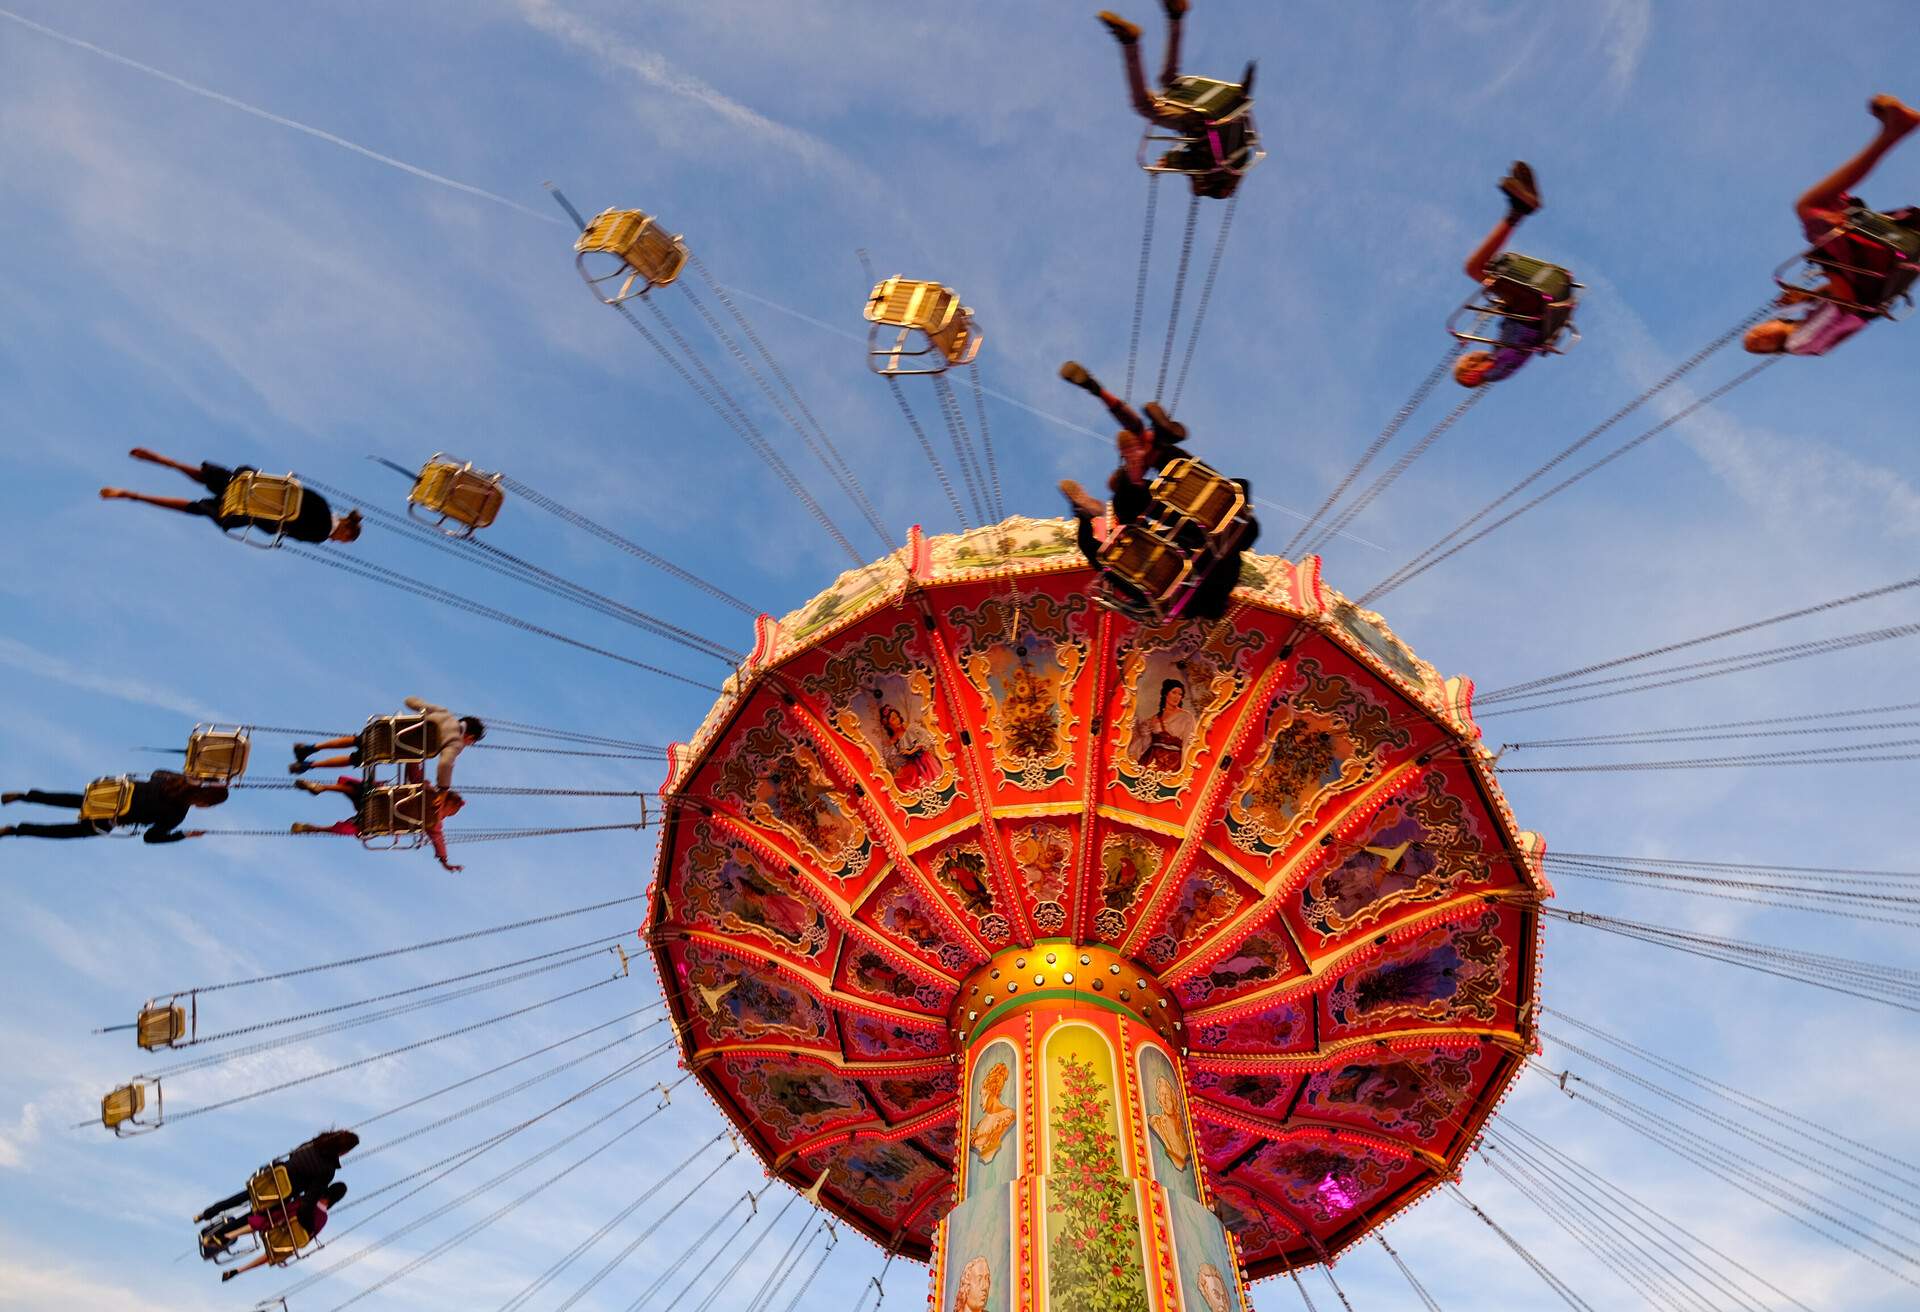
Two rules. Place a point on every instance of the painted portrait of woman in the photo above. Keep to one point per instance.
(906, 751)
(1160, 739)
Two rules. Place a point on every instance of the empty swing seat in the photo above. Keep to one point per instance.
(633, 250)
(122, 1107)
(457, 493)
(398, 740)
(268, 502)
(160, 1025)
(216, 755)
(934, 328)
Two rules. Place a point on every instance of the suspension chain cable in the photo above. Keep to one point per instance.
(1421, 564)
(494, 1070)
(1420, 1290)
(460, 1237)
(567, 735)
(1606, 1188)
(839, 462)
(1355, 508)
(1554, 1282)
(1744, 1175)
(633, 1245)
(742, 427)
(1749, 1104)
(476, 790)
(1873, 983)
(1729, 729)
(471, 1153)
(402, 1050)
(607, 535)
(592, 947)
(687, 1253)
(1871, 594)
(466, 937)
(1206, 299)
(1728, 665)
(844, 480)
(726, 1245)
(1380, 440)
(1140, 280)
(493, 1099)
(395, 579)
(1179, 291)
(933, 458)
(507, 565)
(1894, 1202)
(997, 502)
(963, 453)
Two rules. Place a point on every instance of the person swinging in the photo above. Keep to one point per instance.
(354, 789)
(314, 522)
(1218, 141)
(160, 802)
(1533, 300)
(454, 733)
(1860, 275)
(1144, 446)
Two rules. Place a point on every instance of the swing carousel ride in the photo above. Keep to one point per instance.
(1102, 947)
(993, 913)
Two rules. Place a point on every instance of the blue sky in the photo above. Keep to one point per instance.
(184, 275)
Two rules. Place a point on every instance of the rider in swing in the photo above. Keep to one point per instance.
(1213, 182)
(1821, 210)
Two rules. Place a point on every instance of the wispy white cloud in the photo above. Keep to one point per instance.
(127, 688)
(652, 68)
(320, 134)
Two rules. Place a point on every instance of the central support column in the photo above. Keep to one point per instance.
(1079, 1187)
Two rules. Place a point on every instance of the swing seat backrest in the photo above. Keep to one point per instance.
(1204, 97)
(122, 1105)
(215, 755)
(1876, 256)
(269, 1187)
(399, 740)
(458, 492)
(106, 800)
(1529, 287)
(161, 1025)
(928, 309)
(1189, 493)
(648, 255)
(283, 1242)
(271, 499)
(389, 810)
(1146, 563)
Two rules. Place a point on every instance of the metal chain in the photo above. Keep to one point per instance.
(1379, 485)
(394, 579)
(467, 937)
(940, 470)
(963, 454)
(1179, 291)
(1427, 558)
(608, 536)
(837, 468)
(1380, 440)
(1140, 281)
(746, 325)
(1206, 299)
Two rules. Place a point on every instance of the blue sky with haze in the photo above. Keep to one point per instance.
(185, 275)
